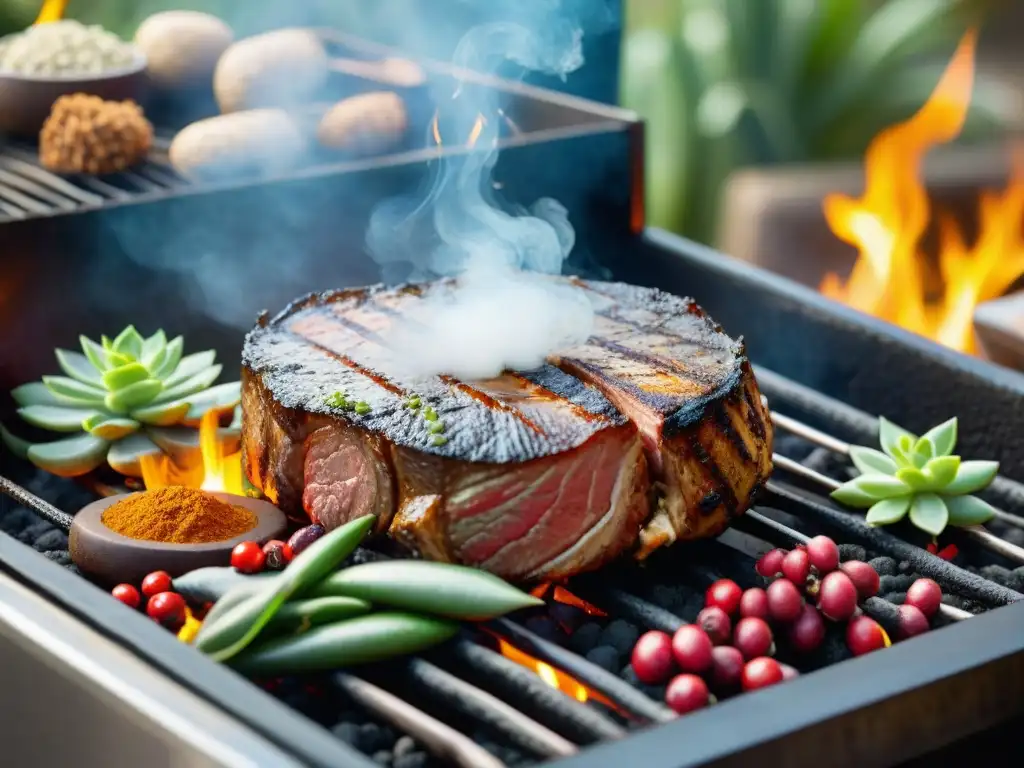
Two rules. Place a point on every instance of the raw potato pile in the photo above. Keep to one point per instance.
(64, 48)
(85, 134)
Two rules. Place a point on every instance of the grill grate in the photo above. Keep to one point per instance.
(27, 190)
(466, 704)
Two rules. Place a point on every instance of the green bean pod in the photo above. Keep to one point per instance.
(439, 589)
(237, 626)
(356, 641)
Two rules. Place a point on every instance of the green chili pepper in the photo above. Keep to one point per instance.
(440, 589)
(301, 615)
(239, 625)
(210, 584)
(439, 440)
(357, 641)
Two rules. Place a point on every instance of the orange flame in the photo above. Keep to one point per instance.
(474, 133)
(553, 677)
(52, 10)
(216, 472)
(891, 275)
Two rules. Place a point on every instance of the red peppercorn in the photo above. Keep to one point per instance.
(864, 578)
(808, 631)
(753, 638)
(692, 648)
(156, 582)
(716, 623)
(754, 603)
(783, 601)
(127, 594)
(167, 608)
(277, 553)
(770, 564)
(726, 668)
(823, 554)
(925, 595)
(686, 693)
(726, 594)
(913, 622)
(837, 598)
(864, 635)
(761, 672)
(248, 557)
(303, 537)
(652, 658)
(796, 566)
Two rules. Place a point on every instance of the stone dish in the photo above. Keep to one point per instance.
(111, 558)
(26, 100)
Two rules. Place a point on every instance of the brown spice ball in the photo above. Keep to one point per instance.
(85, 134)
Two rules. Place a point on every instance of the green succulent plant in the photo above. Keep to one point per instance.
(918, 476)
(724, 84)
(127, 397)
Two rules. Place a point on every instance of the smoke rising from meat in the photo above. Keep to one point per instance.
(499, 315)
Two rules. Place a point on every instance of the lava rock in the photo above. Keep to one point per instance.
(604, 656)
(568, 617)
(884, 566)
(52, 539)
(347, 732)
(543, 626)
(899, 583)
(404, 746)
(620, 635)
(585, 638)
(373, 737)
(59, 556)
(852, 552)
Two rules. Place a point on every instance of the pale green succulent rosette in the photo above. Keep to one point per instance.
(919, 477)
(123, 398)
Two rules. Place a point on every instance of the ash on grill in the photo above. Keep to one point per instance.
(581, 641)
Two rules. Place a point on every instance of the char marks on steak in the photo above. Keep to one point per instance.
(652, 430)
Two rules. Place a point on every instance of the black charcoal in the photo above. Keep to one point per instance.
(620, 635)
(605, 657)
(382, 758)
(51, 540)
(411, 760)
(543, 626)
(585, 638)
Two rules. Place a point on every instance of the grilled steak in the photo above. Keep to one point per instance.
(651, 431)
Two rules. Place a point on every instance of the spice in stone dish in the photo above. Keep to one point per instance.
(64, 48)
(85, 134)
(178, 515)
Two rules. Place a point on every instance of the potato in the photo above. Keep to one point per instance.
(281, 68)
(264, 141)
(182, 47)
(367, 124)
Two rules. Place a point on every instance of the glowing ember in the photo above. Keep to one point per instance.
(553, 677)
(216, 472)
(891, 276)
(52, 10)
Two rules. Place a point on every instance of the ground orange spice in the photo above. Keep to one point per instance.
(178, 515)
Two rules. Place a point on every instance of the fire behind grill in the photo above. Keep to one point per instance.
(468, 704)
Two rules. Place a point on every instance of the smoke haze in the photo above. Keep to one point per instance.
(504, 312)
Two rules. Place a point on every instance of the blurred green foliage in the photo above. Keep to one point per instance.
(731, 83)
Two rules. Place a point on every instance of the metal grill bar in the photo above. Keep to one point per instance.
(442, 740)
(524, 689)
(471, 703)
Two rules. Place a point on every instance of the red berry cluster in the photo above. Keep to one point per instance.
(163, 605)
(835, 589)
(731, 644)
(250, 557)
